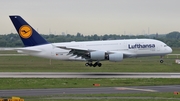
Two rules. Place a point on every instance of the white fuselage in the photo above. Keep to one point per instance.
(132, 47)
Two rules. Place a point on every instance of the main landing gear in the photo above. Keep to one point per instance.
(94, 65)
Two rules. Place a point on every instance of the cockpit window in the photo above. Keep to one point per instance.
(165, 45)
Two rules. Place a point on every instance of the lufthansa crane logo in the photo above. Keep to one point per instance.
(25, 31)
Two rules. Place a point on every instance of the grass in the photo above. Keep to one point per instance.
(28, 83)
(35, 64)
(144, 94)
(176, 50)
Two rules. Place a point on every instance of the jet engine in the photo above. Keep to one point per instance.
(116, 57)
(97, 55)
(100, 55)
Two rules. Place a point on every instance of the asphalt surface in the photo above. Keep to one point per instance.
(86, 75)
(120, 98)
(98, 90)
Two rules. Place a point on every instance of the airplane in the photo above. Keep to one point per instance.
(90, 51)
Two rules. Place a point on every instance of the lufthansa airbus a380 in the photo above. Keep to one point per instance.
(91, 51)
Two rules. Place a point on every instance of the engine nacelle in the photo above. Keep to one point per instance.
(97, 55)
(116, 57)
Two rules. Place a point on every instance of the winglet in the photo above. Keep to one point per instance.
(28, 35)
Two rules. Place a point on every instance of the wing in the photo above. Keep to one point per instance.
(84, 52)
(77, 51)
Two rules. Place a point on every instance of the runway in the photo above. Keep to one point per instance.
(98, 90)
(86, 75)
(95, 90)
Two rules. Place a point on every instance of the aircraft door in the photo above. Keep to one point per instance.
(158, 48)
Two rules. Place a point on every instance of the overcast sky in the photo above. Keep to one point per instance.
(93, 16)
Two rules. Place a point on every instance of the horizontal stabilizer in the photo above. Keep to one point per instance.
(29, 50)
(7, 49)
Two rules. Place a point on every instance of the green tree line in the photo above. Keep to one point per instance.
(13, 40)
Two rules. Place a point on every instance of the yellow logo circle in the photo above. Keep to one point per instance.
(25, 31)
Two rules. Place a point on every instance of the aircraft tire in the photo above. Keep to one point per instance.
(99, 64)
(90, 64)
(95, 64)
(86, 64)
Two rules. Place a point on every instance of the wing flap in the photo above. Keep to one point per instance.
(75, 48)
(77, 51)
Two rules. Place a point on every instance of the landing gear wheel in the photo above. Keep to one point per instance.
(161, 61)
(99, 64)
(86, 64)
(95, 64)
(90, 64)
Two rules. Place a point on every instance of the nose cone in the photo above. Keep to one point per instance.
(169, 49)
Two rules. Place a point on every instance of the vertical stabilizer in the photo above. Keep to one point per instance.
(28, 35)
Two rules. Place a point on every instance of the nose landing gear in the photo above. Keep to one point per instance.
(161, 60)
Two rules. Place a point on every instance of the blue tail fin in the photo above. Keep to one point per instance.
(28, 35)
